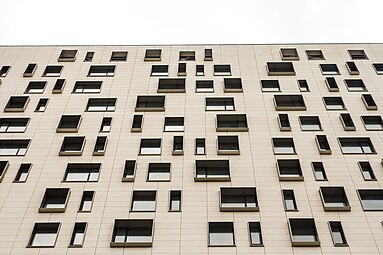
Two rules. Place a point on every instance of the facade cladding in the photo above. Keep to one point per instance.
(191, 149)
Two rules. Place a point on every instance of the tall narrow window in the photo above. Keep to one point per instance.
(137, 123)
(100, 146)
(4, 71)
(347, 122)
(181, 69)
(86, 201)
(78, 234)
(255, 234)
(208, 54)
(30, 70)
(200, 70)
(221, 234)
(289, 200)
(59, 86)
(337, 234)
(106, 124)
(323, 144)
(23, 172)
(89, 56)
(331, 84)
(352, 68)
(367, 172)
(200, 146)
(3, 169)
(319, 171)
(178, 145)
(129, 171)
(303, 86)
(175, 201)
(369, 102)
(41, 105)
(284, 122)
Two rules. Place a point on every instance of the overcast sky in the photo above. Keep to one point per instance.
(66, 22)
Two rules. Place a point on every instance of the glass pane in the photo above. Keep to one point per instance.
(44, 239)
(221, 239)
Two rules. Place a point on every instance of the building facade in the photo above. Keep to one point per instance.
(191, 149)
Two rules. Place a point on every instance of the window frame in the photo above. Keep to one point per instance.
(56, 194)
(55, 226)
(327, 192)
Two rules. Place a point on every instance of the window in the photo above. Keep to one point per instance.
(14, 147)
(238, 199)
(159, 172)
(289, 200)
(371, 199)
(153, 55)
(150, 147)
(44, 235)
(89, 56)
(41, 105)
(323, 144)
(178, 145)
(319, 171)
(101, 71)
(187, 55)
(378, 68)
(160, 70)
(355, 85)
(171, 85)
(100, 146)
(175, 201)
(87, 87)
(357, 54)
(82, 172)
(67, 56)
(132, 233)
(35, 87)
(59, 86)
(86, 201)
(3, 169)
(181, 69)
(137, 123)
(212, 170)
(303, 86)
(284, 122)
(13, 125)
(69, 123)
(334, 103)
(52, 71)
(329, 69)
(101, 105)
(232, 85)
(231, 122)
(255, 234)
(54, 200)
(289, 170)
(315, 55)
(369, 102)
(143, 201)
(280, 68)
(303, 232)
(228, 145)
(337, 234)
(289, 102)
(208, 55)
(78, 234)
(205, 86)
(30, 70)
(72, 146)
(129, 171)
(367, 172)
(372, 123)
(356, 145)
(352, 68)
(199, 70)
(334, 199)
(16, 104)
(283, 146)
(221, 234)
(200, 146)
(106, 124)
(23, 172)
(347, 122)
(220, 104)
(289, 54)
(4, 71)
(119, 56)
(270, 86)
(310, 123)
(150, 103)
(174, 124)
(222, 70)
(332, 86)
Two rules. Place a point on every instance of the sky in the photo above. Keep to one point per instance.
(151, 22)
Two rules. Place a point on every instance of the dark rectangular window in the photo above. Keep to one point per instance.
(23, 172)
(347, 122)
(369, 102)
(59, 86)
(129, 170)
(41, 105)
(303, 86)
(205, 86)
(132, 233)
(160, 70)
(222, 70)
(87, 87)
(174, 124)
(13, 125)
(30, 70)
(331, 84)
(289, 169)
(289, 200)
(89, 56)
(373, 123)
(310, 123)
(352, 68)
(255, 234)
(14, 147)
(337, 234)
(67, 56)
(212, 170)
(119, 56)
(35, 87)
(72, 146)
(143, 201)
(231, 122)
(289, 102)
(69, 123)
(137, 123)
(367, 172)
(284, 122)
(238, 199)
(200, 146)
(315, 55)
(323, 144)
(356, 85)
(178, 145)
(357, 54)
(208, 54)
(283, 145)
(199, 70)
(270, 86)
(334, 103)
(187, 55)
(228, 145)
(52, 71)
(219, 104)
(102, 71)
(303, 232)
(153, 55)
(3, 169)
(106, 124)
(82, 172)
(334, 199)
(78, 234)
(319, 171)
(289, 54)
(150, 146)
(150, 103)
(378, 68)
(232, 84)
(171, 85)
(44, 235)
(280, 68)
(371, 199)
(100, 146)
(221, 234)
(181, 69)
(16, 104)
(86, 201)
(4, 71)
(356, 145)
(329, 69)
(101, 104)
(159, 172)
(54, 200)
(175, 201)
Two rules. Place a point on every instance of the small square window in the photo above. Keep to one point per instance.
(44, 235)
(303, 86)
(132, 233)
(319, 171)
(270, 86)
(221, 234)
(289, 54)
(323, 144)
(159, 172)
(222, 70)
(334, 103)
(356, 145)
(101, 105)
(355, 85)
(337, 234)
(30, 70)
(143, 201)
(280, 68)
(332, 85)
(174, 124)
(212, 170)
(283, 146)
(153, 55)
(119, 56)
(52, 71)
(171, 85)
(232, 85)
(329, 69)
(82, 172)
(129, 171)
(347, 122)
(150, 147)
(367, 172)
(289, 170)
(87, 87)
(100, 146)
(150, 103)
(228, 145)
(14, 147)
(186, 55)
(352, 68)
(86, 201)
(78, 235)
(69, 123)
(106, 124)
(231, 122)
(54, 200)
(175, 201)
(284, 122)
(378, 68)
(160, 70)
(67, 56)
(89, 56)
(334, 199)
(101, 71)
(13, 125)
(41, 105)
(204, 86)
(3, 169)
(199, 70)
(310, 123)
(35, 87)
(315, 55)
(238, 199)
(178, 145)
(303, 232)
(208, 55)
(200, 145)
(59, 86)
(289, 103)
(255, 234)
(4, 71)
(373, 123)
(371, 199)
(23, 172)
(219, 104)
(137, 123)
(369, 102)
(357, 54)
(289, 200)
(72, 146)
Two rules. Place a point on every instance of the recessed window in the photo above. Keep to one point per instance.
(35, 87)
(150, 147)
(355, 85)
(129, 171)
(238, 199)
(303, 86)
(332, 85)
(334, 103)
(289, 200)
(132, 233)
(284, 122)
(369, 102)
(289, 170)
(137, 123)
(69, 123)
(255, 234)
(200, 146)
(54, 200)
(150, 103)
(89, 56)
(357, 54)
(199, 70)
(208, 55)
(160, 70)
(310, 123)
(178, 145)
(222, 70)
(205, 86)
(159, 172)
(373, 123)
(16, 104)
(86, 201)
(14, 147)
(347, 122)
(153, 55)
(334, 199)
(171, 85)
(289, 54)
(59, 86)
(78, 234)
(4, 71)
(232, 84)
(143, 201)
(30, 70)
(319, 171)
(67, 56)
(337, 233)
(367, 172)
(106, 124)
(72, 146)
(3, 169)
(270, 86)
(101, 104)
(323, 144)
(303, 232)
(228, 145)
(231, 122)
(13, 125)
(371, 199)
(174, 124)
(212, 170)
(352, 68)
(101, 71)
(82, 172)
(329, 69)
(378, 68)
(219, 104)
(181, 69)
(356, 145)
(186, 55)
(44, 235)
(100, 146)
(41, 105)
(52, 71)
(23, 172)
(315, 55)
(289, 102)
(175, 201)
(87, 87)
(280, 68)
(221, 234)
(119, 56)
(283, 146)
